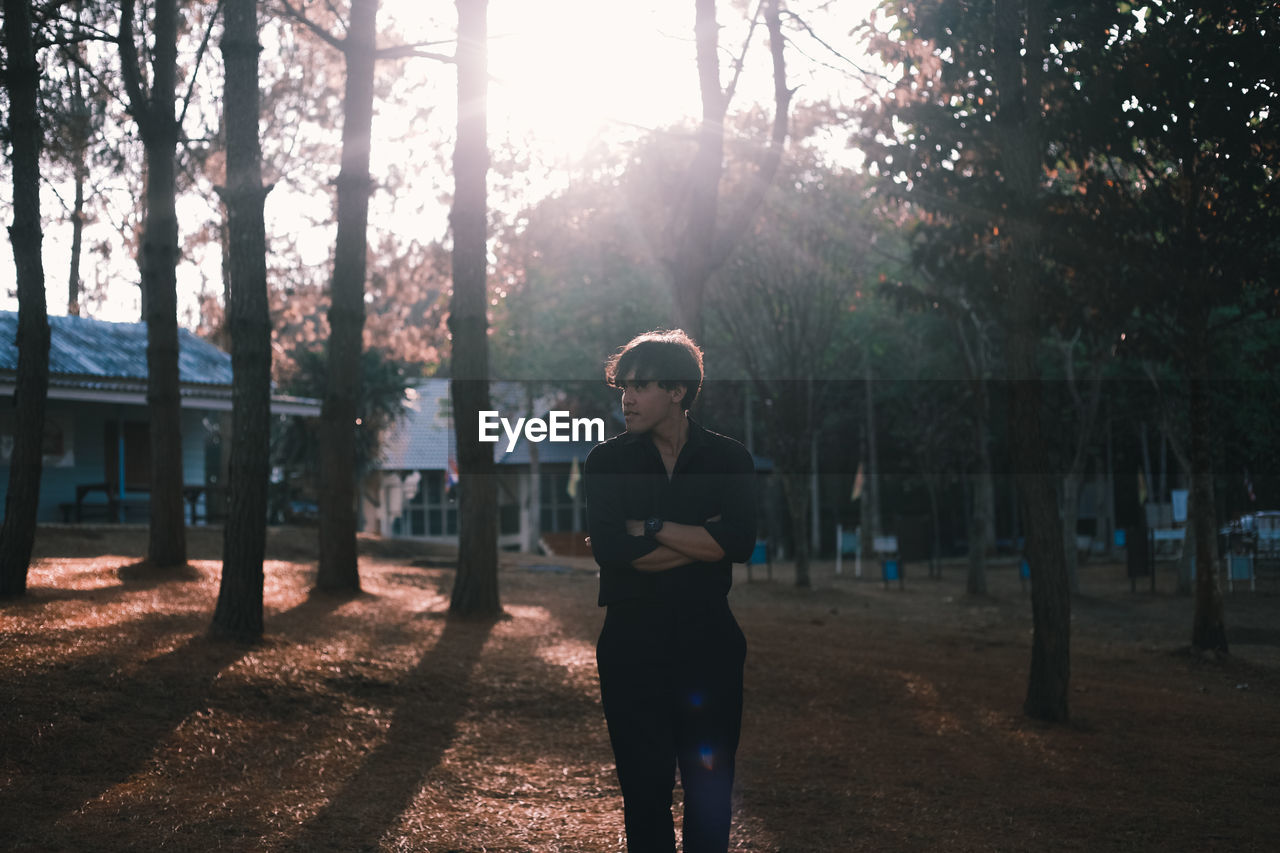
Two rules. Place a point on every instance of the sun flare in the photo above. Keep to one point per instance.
(565, 72)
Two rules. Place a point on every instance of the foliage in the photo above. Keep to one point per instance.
(384, 380)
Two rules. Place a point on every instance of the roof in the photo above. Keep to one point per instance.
(422, 439)
(99, 360)
(84, 347)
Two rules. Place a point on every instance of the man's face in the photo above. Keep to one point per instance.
(645, 403)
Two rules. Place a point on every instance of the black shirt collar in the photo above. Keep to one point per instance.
(697, 435)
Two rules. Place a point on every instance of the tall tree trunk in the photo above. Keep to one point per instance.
(872, 485)
(155, 113)
(932, 484)
(77, 141)
(1018, 32)
(339, 568)
(239, 610)
(22, 75)
(74, 287)
(690, 268)
(475, 589)
(1105, 483)
(1070, 522)
(533, 509)
(795, 487)
(982, 526)
(703, 241)
(1209, 631)
(976, 582)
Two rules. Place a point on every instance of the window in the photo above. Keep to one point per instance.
(558, 513)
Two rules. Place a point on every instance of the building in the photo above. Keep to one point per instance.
(411, 493)
(97, 462)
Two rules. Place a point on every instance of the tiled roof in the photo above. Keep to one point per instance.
(97, 350)
(421, 440)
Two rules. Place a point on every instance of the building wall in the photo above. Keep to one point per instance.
(83, 426)
(421, 508)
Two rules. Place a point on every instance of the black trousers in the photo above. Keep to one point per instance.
(671, 685)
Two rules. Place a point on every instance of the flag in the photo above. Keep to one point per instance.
(857, 484)
(574, 477)
(1142, 488)
(451, 475)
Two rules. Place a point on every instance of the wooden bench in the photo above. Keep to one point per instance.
(103, 510)
(191, 494)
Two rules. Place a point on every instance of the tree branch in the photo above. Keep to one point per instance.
(746, 212)
(130, 72)
(804, 25)
(338, 44)
(195, 68)
(740, 62)
(409, 51)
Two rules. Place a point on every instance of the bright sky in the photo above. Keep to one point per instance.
(565, 73)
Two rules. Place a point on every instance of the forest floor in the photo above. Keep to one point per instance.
(876, 719)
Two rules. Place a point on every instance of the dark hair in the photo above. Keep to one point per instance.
(669, 357)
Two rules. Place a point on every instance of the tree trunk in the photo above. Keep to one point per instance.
(795, 487)
(976, 583)
(935, 518)
(159, 262)
(1209, 631)
(17, 535)
(1070, 521)
(77, 142)
(74, 287)
(239, 609)
(702, 244)
(1019, 32)
(691, 265)
(982, 524)
(533, 509)
(339, 569)
(1106, 486)
(981, 537)
(475, 589)
(871, 494)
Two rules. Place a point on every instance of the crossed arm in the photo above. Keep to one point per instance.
(620, 540)
(678, 545)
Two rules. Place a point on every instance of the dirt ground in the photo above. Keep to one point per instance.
(876, 719)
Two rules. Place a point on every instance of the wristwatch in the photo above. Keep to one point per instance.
(652, 526)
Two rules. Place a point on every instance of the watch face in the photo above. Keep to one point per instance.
(652, 525)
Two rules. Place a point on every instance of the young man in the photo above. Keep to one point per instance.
(670, 506)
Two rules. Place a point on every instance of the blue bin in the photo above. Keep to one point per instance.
(889, 568)
(759, 554)
(1024, 569)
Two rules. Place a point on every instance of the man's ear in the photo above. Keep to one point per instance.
(679, 393)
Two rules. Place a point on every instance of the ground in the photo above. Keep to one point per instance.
(876, 719)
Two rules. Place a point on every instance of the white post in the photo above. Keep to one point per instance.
(839, 546)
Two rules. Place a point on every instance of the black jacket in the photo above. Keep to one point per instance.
(626, 479)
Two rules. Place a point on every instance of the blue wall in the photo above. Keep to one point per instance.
(87, 424)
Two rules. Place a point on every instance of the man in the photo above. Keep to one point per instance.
(670, 507)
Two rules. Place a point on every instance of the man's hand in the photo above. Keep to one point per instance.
(691, 541)
(635, 527)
